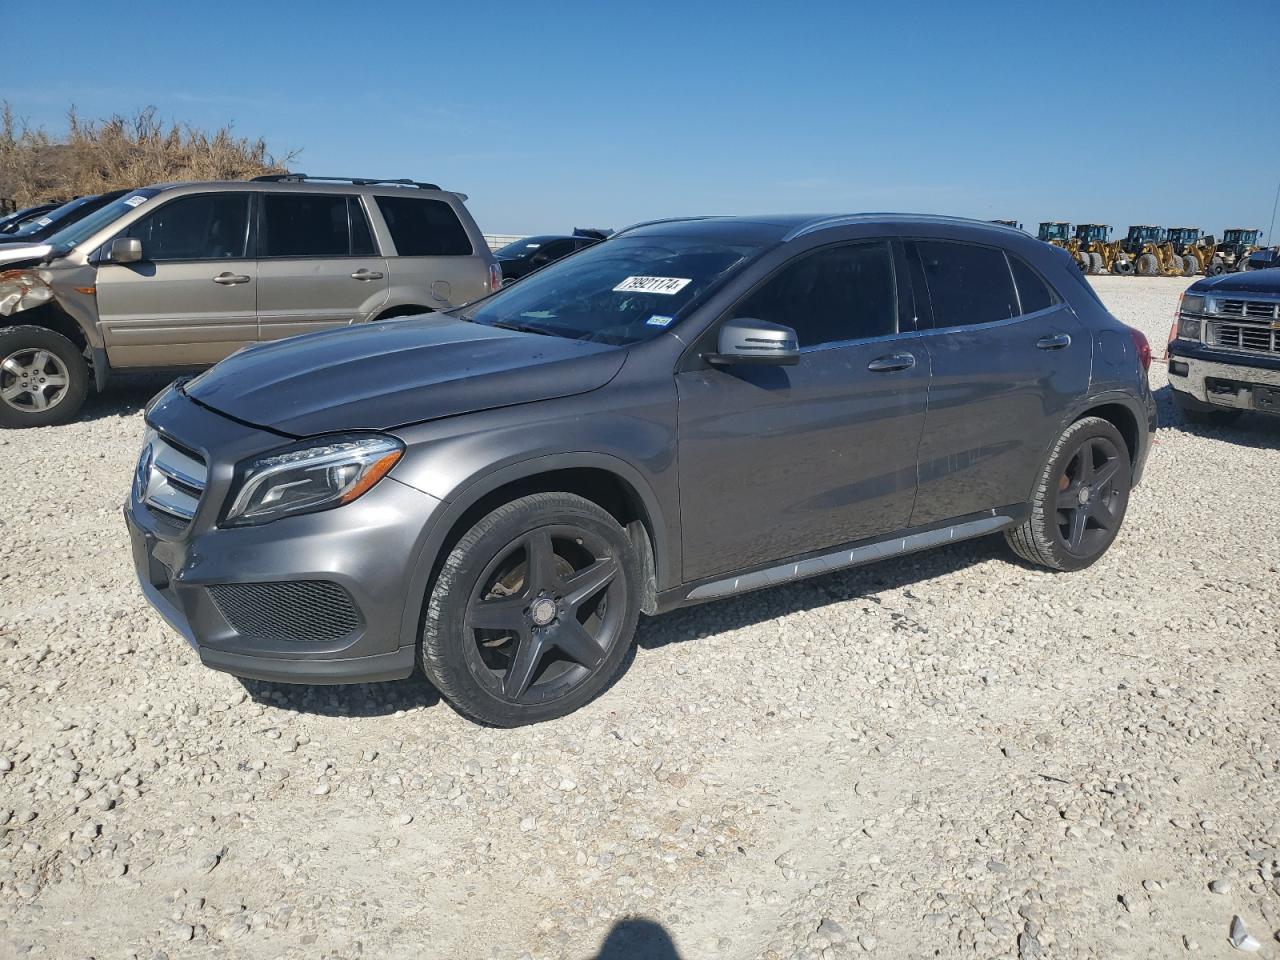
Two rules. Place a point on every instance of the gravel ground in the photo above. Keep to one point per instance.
(948, 754)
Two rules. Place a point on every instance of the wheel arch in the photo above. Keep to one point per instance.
(611, 483)
(1123, 419)
(51, 316)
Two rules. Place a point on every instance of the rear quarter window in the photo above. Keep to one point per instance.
(1033, 292)
(422, 227)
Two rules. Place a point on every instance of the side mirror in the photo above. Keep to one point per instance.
(124, 250)
(755, 341)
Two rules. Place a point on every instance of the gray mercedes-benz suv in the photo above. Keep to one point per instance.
(691, 409)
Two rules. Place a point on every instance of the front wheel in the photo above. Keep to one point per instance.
(1080, 499)
(533, 612)
(43, 377)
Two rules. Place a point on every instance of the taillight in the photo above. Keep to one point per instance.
(495, 277)
(1142, 346)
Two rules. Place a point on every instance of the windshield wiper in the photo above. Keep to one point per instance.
(519, 327)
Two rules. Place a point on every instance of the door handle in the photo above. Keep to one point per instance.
(1056, 342)
(363, 274)
(227, 279)
(895, 361)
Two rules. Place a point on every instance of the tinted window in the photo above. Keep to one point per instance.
(841, 293)
(361, 237)
(209, 226)
(967, 284)
(424, 228)
(1032, 291)
(304, 225)
(555, 250)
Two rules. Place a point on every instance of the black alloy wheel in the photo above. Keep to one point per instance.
(1080, 499)
(533, 612)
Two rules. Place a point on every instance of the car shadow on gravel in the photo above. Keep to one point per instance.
(638, 938)
(346, 700)
(125, 396)
(1252, 430)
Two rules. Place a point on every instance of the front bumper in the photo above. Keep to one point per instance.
(365, 552)
(1232, 381)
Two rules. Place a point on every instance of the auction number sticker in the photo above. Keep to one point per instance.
(134, 201)
(45, 221)
(663, 285)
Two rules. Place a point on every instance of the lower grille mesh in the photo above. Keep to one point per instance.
(303, 611)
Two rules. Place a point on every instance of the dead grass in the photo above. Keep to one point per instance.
(119, 153)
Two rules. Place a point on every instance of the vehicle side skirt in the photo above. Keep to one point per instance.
(845, 556)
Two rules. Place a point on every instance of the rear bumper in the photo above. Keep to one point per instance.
(1227, 381)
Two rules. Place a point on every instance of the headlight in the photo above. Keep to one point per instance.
(1192, 303)
(1188, 328)
(313, 475)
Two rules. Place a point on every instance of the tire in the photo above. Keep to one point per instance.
(1215, 268)
(1190, 266)
(1123, 267)
(1242, 265)
(549, 648)
(43, 378)
(1148, 265)
(1096, 263)
(1203, 414)
(1075, 511)
(1082, 262)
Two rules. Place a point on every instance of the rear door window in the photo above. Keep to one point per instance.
(421, 227)
(304, 225)
(967, 284)
(208, 226)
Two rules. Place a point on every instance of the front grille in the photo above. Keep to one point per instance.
(1246, 337)
(1249, 309)
(173, 483)
(303, 611)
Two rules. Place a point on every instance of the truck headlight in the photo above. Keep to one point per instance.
(1188, 329)
(309, 476)
(1192, 303)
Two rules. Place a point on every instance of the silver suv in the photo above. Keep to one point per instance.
(179, 276)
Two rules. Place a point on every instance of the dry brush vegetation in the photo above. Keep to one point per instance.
(118, 153)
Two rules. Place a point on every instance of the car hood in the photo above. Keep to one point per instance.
(14, 255)
(1251, 281)
(392, 373)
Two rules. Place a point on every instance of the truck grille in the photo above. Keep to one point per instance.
(1249, 309)
(302, 611)
(1248, 337)
(172, 483)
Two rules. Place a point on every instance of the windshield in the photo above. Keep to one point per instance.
(522, 248)
(51, 217)
(82, 230)
(620, 292)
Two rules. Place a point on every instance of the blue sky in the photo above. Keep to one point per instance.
(553, 115)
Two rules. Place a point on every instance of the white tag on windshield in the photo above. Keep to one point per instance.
(45, 221)
(666, 285)
(134, 201)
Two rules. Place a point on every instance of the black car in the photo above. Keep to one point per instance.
(43, 227)
(527, 255)
(13, 222)
(1224, 348)
(687, 411)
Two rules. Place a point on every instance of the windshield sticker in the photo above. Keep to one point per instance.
(663, 285)
(658, 321)
(532, 246)
(45, 221)
(134, 201)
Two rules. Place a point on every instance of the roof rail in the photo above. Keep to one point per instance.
(357, 181)
(651, 223)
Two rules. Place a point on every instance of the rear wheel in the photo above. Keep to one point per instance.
(1190, 266)
(1096, 263)
(43, 377)
(1216, 267)
(1080, 500)
(1148, 265)
(533, 611)
(1082, 261)
(1242, 264)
